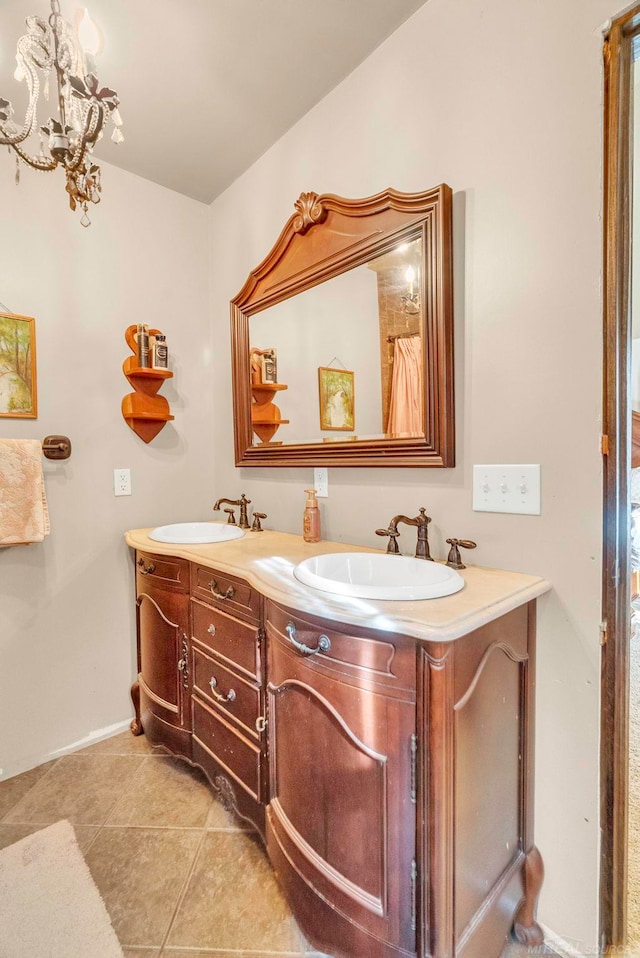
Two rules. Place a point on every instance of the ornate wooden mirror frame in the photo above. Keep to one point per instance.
(326, 236)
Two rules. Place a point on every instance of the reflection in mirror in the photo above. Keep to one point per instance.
(349, 355)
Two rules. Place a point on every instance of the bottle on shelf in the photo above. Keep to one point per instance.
(142, 338)
(160, 353)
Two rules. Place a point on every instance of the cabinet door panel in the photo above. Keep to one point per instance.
(164, 658)
(342, 825)
(159, 652)
(341, 811)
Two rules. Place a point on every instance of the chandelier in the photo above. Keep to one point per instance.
(55, 49)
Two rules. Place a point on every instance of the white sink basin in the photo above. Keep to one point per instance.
(195, 533)
(374, 576)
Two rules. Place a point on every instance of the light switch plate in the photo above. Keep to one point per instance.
(122, 482)
(514, 489)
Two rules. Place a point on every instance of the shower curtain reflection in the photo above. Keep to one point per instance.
(405, 408)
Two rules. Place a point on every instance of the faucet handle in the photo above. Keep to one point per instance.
(231, 521)
(392, 545)
(257, 516)
(454, 559)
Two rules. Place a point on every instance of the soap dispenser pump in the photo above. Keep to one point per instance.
(311, 518)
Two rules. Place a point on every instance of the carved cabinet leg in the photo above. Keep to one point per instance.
(526, 929)
(136, 724)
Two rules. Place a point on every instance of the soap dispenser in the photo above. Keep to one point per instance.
(311, 518)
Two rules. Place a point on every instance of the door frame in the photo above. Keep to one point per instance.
(619, 54)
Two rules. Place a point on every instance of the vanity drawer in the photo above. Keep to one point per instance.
(226, 592)
(163, 571)
(232, 640)
(387, 660)
(226, 690)
(240, 758)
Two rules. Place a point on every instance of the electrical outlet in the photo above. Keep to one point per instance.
(513, 489)
(122, 482)
(321, 483)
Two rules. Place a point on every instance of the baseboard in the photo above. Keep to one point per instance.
(33, 761)
(567, 949)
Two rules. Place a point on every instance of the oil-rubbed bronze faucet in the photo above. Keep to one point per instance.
(454, 559)
(421, 521)
(392, 544)
(243, 502)
(257, 516)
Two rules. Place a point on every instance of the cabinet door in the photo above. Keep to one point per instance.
(341, 818)
(164, 661)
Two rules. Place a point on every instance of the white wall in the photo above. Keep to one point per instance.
(503, 102)
(67, 638)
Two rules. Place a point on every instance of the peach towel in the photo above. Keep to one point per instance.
(24, 516)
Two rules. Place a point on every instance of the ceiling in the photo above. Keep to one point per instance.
(206, 86)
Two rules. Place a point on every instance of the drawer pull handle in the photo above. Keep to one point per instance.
(212, 629)
(229, 697)
(324, 642)
(213, 588)
(146, 569)
(261, 723)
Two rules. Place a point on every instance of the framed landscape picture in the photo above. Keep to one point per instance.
(337, 398)
(18, 393)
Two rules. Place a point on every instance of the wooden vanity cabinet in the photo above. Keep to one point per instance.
(395, 792)
(161, 692)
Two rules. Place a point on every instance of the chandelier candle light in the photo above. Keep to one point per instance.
(83, 107)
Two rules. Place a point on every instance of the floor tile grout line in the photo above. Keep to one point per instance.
(183, 890)
(172, 828)
(54, 762)
(85, 851)
(88, 824)
(244, 952)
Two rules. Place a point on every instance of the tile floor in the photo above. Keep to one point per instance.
(167, 858)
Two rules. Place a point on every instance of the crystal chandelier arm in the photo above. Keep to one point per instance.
(46, 164)
(93, 125)
(34, 50)
(65, 60)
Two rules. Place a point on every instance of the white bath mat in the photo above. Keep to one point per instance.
(49, 904)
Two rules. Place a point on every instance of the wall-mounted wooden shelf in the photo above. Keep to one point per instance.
(144, 411)
(265, 415)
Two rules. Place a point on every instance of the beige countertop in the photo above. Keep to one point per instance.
(267, 559)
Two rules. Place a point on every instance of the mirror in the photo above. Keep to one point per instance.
(342, 337)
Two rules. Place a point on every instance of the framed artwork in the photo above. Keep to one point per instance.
(337, 398)
(18, 392)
